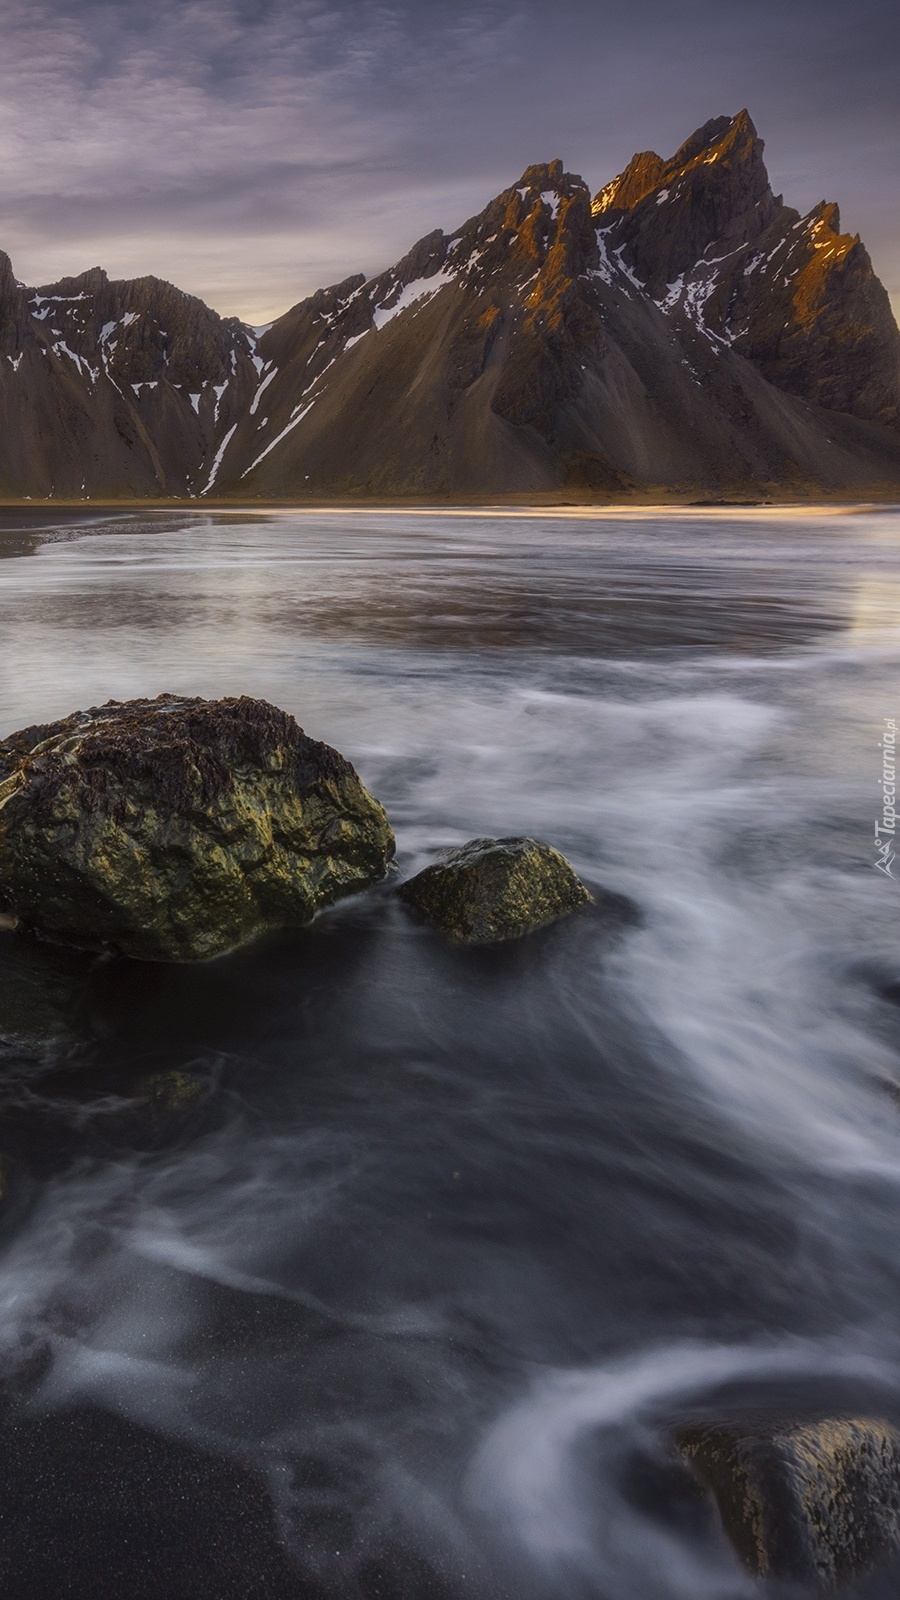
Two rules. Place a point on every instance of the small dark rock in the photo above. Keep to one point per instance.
(490, 890)
(813, 1502)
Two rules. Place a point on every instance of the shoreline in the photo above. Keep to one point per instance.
(484, 505)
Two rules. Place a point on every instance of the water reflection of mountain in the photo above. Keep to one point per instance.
(417, 583)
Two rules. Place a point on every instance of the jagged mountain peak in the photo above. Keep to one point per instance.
(692, 330)
(719, 138)
(642, 176)
(711, 198)
(509, 239)
(517, 231)
(542, 175)
(89, 282)
(550, 177)
(704, 238)
(731, 145)
(702, 139)
(543, 185)
(823, 224)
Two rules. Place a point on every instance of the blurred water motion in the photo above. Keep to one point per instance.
(403, 1303)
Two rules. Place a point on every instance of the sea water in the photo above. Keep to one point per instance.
(408, 1303)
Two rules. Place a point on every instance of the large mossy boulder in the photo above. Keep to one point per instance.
(175, 829)
(491, 890)
(813, 1502)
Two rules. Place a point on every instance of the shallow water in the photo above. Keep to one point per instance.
(405, 1303)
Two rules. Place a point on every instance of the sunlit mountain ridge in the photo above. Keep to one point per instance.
(682, 330)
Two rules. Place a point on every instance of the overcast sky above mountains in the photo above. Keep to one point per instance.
(250, 152)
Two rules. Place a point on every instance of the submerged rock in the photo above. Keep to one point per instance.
(175, 829)
(490, 890)
(166, 1094)
(159, 1108)
(815, 1502)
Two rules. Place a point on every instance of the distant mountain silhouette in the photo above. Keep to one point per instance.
(685, 330)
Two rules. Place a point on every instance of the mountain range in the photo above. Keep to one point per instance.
(683, 330)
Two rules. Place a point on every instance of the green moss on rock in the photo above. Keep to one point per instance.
(176, 829)
(815, 1502)
(491, 890)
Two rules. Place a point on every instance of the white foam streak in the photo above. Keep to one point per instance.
(528, 1474)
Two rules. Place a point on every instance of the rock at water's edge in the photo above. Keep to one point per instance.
(491, 890)
(815, 1502)
(175, 829)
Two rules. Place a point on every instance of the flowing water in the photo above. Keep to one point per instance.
(405, 1302)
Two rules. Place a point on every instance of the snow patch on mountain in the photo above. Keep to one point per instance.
(612, 268)
(261, 390)
(218, 459)
(690, 293)
(420, 289)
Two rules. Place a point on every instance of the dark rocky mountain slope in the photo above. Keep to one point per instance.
(115, 388)
(684, 330)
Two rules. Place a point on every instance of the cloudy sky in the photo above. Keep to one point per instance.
(252, 150)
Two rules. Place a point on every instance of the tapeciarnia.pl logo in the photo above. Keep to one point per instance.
(886, 828)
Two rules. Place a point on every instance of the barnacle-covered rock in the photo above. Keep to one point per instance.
(176, 829)
(490, 890)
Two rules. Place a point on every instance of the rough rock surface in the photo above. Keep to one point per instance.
(175, 829)
(490, 890)
(815, 1502)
